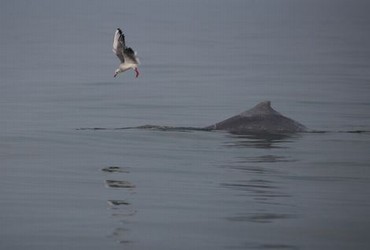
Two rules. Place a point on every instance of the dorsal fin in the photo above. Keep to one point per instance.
(262, 108)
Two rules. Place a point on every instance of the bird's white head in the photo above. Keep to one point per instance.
(117, 72)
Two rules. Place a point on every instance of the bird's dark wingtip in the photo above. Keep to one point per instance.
(119, 30)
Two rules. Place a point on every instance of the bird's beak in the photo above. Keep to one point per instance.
(137, 72)
(115, 74)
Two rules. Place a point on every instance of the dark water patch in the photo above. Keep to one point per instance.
(123, 214)
(267, 159)
(252, 168)
(121, 208)
(264, 196)
(258, 189)
(119, 184)
(116, 169)
(260, 217)
(356, 131)
(97, 128)
(276, 246)
(257, 246)
(116, 203)
(120, 234)
(325, 178)
(250, 184)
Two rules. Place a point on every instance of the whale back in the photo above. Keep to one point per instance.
(260, 119)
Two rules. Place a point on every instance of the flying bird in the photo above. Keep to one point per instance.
(125, 54)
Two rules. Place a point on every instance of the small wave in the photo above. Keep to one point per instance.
(338, 131)
(119, 184)
(189, 129)
(152, 127)
(115, 169)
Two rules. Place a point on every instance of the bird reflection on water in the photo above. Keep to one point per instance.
(121, 208)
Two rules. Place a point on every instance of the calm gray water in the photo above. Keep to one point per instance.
(202, 61)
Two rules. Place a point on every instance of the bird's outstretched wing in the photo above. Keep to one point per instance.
(119, 45)
(130, 56)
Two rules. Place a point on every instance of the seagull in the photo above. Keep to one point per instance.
(126, 55)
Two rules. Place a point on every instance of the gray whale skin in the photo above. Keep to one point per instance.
(260, 119)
